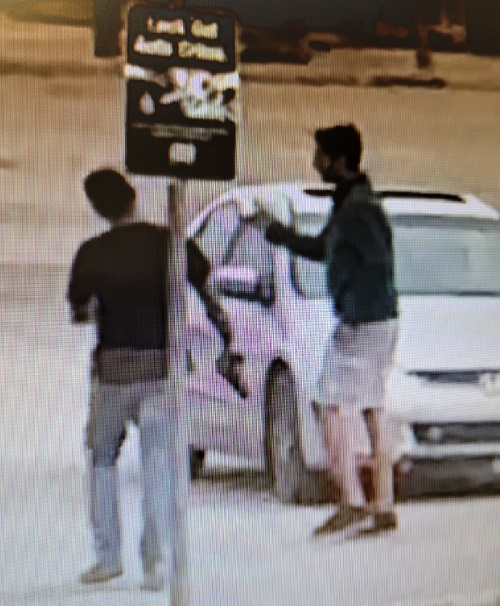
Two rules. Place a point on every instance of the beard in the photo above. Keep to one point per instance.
(329, 176)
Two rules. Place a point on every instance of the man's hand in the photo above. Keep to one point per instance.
(80, 315)
(277, 233)
(84, 314)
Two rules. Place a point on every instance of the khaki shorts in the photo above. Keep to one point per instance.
(356, 363)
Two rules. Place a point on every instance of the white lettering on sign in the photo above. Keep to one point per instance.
(174, 28)
(182, 153)
(147, 104)
(188, 50)
(160, 48)
(200, 30)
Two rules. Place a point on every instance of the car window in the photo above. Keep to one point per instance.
(433, 256)
(447, 255)
(309, 277)
(249, 248)
(217, 232)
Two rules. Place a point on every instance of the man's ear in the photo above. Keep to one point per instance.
(339, 167)
(340, 163)
(331, 168)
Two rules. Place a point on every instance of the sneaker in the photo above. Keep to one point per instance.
(345, 516)
(382, 522)
(154, 576)
(100, 573)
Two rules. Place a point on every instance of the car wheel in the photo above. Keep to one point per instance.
(196, 460)
(284, 463)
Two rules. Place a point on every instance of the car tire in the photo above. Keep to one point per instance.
(196, 461)
(284, 463)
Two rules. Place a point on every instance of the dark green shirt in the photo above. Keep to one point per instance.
(356, 244)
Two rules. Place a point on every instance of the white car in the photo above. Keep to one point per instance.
(444, 391)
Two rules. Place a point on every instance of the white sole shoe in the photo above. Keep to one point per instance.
(100, 573)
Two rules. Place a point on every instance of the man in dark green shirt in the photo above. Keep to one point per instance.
(357, 247)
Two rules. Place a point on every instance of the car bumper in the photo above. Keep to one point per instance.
(456, 475)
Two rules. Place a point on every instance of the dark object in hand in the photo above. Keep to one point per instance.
(277, 233)
(229, 366)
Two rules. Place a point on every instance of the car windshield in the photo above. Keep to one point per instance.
(433, 256)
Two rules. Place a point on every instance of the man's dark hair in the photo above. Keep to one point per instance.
(109, 193)
(342, 140)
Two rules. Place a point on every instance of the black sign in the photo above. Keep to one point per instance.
(182, 94)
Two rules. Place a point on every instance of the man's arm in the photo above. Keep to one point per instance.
(79, 293)
(311, 247)
(229, 362)
(198, 269)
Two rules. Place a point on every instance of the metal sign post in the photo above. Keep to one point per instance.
(177, 344)
(181, 118)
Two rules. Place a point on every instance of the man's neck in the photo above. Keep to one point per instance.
(350, 175)
(127, 220)
(343, 188)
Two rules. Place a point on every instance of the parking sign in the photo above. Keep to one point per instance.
(182, 93)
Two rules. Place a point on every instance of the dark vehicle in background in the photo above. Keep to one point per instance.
(464, 25)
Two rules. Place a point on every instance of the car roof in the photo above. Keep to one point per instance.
(436, 203)
(316, 198)
(288, 199)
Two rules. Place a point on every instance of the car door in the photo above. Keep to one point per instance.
(236, 247)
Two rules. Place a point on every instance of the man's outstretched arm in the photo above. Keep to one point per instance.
(311, 247)
(198, 268)
(229, 362)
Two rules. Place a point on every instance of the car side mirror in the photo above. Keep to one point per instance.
(243, 283)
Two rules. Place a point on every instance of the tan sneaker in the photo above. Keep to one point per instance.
(382, 522)
(345, 516)
(100, 573)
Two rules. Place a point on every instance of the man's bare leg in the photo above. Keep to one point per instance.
(383, 484)
(342, 456)
(339, 442)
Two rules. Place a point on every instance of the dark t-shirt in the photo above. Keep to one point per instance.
(125, 270)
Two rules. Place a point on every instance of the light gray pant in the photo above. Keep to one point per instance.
(111, 407)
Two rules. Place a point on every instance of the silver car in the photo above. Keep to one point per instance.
(444, 392)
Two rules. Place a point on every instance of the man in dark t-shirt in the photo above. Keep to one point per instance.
(122, 274)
